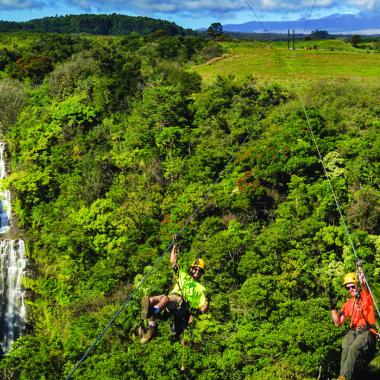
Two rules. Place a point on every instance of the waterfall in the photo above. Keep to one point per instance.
(13, 313)
(12, 268)
(5, 203)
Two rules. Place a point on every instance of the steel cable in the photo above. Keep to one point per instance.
(178, 234)
(336, 199)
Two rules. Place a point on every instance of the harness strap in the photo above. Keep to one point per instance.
(353, 313)
(369, 326)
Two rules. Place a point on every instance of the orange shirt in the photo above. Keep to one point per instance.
(361, 311)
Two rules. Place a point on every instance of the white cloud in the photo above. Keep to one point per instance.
(219, 6)
(304, 5)
(365, 4)
(194, 9)
(164, 6)
(9, 5)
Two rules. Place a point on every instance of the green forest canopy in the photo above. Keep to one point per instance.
(112, 24)
(114, 143)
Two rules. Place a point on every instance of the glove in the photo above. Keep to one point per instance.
(332, 303)
(175, 268)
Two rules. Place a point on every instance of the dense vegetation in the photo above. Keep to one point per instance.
(113, 24)
(117, 146)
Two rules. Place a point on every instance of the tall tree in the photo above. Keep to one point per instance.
(215, 30)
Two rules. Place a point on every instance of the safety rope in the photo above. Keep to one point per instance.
(358, 261)
(178, 234)
(183, 352)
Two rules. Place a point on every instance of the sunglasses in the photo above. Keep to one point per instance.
(196, 269)
(350, 287)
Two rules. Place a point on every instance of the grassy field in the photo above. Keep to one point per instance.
(273, 62)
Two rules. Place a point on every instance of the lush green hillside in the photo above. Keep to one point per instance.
(312, 60)
(115, 146)
(113, 24)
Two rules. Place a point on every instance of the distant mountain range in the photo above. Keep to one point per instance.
(361, 23)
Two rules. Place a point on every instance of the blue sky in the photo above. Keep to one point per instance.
(187, 13)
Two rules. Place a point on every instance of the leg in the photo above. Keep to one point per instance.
(159, 301)
(180, 315)
(346, 344)
(179, 325)
(152, 306)
(366, 347)
(177, 306)
(361, 348)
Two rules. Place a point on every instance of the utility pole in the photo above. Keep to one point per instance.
(288, 39)
(293, 39)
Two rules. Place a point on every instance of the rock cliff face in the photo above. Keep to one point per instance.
(12, 269)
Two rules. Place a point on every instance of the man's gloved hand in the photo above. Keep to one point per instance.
(332, 303)
(175, 268)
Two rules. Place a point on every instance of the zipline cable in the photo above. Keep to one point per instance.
(335, 198)
(308, 18)
(325, 170)
(178, 234)
(257, 18)
(112, 320)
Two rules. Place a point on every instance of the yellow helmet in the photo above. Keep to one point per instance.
(350, 278)
(199, 263)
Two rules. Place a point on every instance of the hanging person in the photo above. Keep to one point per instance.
(359, 343)
(186, 298)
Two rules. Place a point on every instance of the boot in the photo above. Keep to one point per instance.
(146, 309)
(140, 331)
(149, 335)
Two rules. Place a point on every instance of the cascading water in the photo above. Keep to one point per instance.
(5, 204)
(13, 314)
(12, 268)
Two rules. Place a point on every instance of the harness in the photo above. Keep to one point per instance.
(368, 326)
(183, 306)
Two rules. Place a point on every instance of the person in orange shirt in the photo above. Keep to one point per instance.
(359, 343)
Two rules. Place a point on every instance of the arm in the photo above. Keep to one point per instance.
(174, 254)
(337, 319)
(203, 309)
(205, 305)
(361, 276)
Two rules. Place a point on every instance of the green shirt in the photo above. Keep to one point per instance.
(192, 291)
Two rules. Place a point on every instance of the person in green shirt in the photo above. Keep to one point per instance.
(187, 297)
